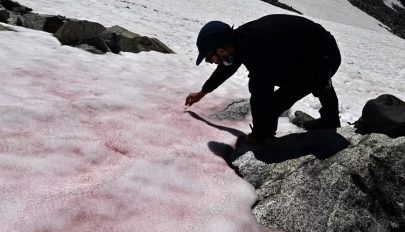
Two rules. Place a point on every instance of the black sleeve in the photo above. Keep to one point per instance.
(219, 76)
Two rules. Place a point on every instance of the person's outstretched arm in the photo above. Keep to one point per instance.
(219, 76)
(194, 97)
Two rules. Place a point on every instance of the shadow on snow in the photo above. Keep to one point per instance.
(321, 143)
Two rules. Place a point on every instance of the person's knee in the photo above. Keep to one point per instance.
(321, 88)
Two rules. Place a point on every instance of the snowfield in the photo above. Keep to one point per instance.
(340, 11)
(102, 142)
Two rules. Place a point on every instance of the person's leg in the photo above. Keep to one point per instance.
(267, 107)
(259, 106)
(329, 101)
(330, 109)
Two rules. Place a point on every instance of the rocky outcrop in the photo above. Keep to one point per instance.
(237, 110)
(131, 42)
(79, 32)
(89, 36)
(48, 23)
(327, 181)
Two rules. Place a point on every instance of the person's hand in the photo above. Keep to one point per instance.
(194, 97)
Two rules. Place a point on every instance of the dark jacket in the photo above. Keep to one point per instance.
(277, 48)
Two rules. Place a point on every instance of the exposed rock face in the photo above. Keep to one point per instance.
(75, 33)
(48, 23)
(131, 42)
(238, 110)
(53, 23)
(89, 36)
(358, 188)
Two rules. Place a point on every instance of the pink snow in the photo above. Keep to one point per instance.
(102, 143)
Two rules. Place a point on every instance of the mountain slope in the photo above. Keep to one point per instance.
(340, 11)
(102, 143)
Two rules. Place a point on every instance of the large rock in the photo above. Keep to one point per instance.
(131, 42)
(48, 23)
(89, 36)
(75, 33)
(34, 21)
(16, 19)
(238, 110)
(360, 188)
(53, 23)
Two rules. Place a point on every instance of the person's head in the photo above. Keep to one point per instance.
(214, 43)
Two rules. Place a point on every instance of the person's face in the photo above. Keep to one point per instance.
(217, 57)
(212, 58)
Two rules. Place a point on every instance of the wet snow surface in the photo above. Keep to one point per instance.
(102, 143)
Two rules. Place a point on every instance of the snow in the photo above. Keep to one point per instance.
(93, 142)
(340, 11)
(102, 143)
(391, 3)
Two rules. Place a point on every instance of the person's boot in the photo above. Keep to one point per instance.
(321, 124)
(256, 137)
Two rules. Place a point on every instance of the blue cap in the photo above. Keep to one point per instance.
(213, 35)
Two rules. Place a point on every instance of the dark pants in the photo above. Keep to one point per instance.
(267, 105)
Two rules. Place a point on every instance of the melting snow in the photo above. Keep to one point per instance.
(102, 143)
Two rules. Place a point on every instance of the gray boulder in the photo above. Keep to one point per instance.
(48, 23)
(53, 23)
(238, 110)
(359, 188)
(131, 42)
(34, 21)
(112, 40)
(77, 32)
(16, 20)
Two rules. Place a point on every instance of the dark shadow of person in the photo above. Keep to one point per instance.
(321, 143)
